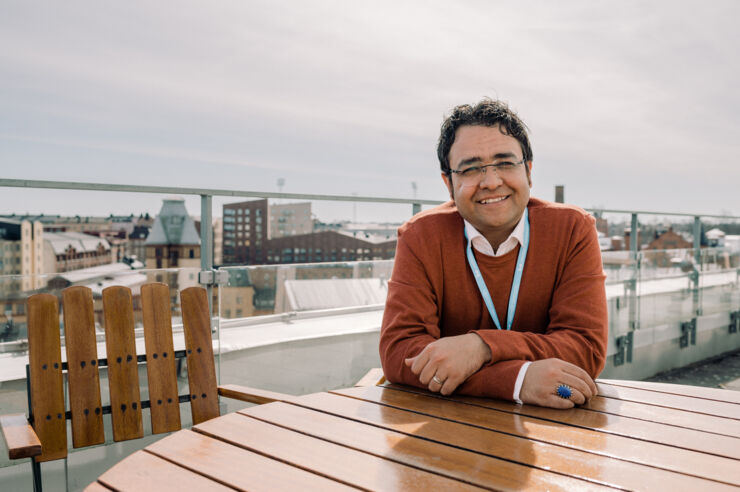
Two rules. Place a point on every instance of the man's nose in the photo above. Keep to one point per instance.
(490, 178)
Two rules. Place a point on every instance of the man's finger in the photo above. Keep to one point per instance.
(427, 373)
(450, 385)
(419, 362)
(577, 383)
(584, 376)
(555, 401)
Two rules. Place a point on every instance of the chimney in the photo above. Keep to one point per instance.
(559, 193)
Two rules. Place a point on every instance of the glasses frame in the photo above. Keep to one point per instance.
(482, 169)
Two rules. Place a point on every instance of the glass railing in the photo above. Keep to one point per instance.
(299, 328)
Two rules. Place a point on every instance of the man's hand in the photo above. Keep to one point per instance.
(543, 378)
(445, 363)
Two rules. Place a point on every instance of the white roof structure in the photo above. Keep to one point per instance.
(98, 272)
(61, 241)
(304, 295)
(715, 234)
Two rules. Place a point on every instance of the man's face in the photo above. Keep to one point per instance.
(493, 204)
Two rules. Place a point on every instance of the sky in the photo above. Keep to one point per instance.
(630, 104)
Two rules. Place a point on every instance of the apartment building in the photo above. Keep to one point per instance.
(245, 230)
(290, 219)
(21, 253)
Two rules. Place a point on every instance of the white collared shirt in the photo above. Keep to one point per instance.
(481, 244)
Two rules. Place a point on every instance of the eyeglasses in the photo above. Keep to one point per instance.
(475, 173)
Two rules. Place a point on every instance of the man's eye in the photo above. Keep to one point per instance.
(470, 171)
(506, 165)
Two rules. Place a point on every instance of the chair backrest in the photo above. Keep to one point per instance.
(45, 370)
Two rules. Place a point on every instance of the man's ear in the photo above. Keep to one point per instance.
(448, 182)
(529, 172)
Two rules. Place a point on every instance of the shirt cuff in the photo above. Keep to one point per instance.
(520, 381)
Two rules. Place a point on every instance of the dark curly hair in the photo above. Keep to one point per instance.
(487, 112)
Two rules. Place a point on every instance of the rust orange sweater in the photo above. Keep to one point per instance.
(561, 311)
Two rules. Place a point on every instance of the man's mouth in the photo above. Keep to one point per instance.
(486, 201)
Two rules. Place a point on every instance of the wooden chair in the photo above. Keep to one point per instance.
(43, 435)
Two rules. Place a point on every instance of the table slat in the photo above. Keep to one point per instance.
(634, 450)
(97, 487)
(678, 389)
(237, 467)
(669, 416)
(680, 402)
(145, 471)
(654, 431)
(357, 468)
(486, 459)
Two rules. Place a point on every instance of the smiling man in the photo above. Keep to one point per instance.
(496, 293)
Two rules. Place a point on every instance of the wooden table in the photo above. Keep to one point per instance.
(634, 435)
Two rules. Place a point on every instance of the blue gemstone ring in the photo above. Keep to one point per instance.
(564, 391)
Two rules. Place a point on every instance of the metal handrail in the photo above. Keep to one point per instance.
(169, 190)
(73, 185)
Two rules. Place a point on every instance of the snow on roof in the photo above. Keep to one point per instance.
(61, 241)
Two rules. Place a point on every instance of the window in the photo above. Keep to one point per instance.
(239, 211)
(192, 253)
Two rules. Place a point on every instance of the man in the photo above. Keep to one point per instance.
(495, 293)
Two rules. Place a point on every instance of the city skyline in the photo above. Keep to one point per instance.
(630, 105)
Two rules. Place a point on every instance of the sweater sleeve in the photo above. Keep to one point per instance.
(411, 316)
(578, 328)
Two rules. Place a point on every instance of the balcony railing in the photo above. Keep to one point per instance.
(300, 328)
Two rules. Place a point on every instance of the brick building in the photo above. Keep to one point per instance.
(326, 246)
(245, 229)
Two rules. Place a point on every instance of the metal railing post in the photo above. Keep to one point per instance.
(634, 311)
(206, 253)
(634, 246)
(697, 240)
(696, 304)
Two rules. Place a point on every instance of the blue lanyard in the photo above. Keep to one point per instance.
(514, 294)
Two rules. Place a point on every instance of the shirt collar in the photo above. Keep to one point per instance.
(481, 244)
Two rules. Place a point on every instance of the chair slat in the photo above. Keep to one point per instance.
(47, 390)
(123, 375)
(198, 342)
(160, 358)
(82, 367)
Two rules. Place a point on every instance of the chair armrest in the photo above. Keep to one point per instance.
(19, 436)
(253, 395)
(373, 377)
